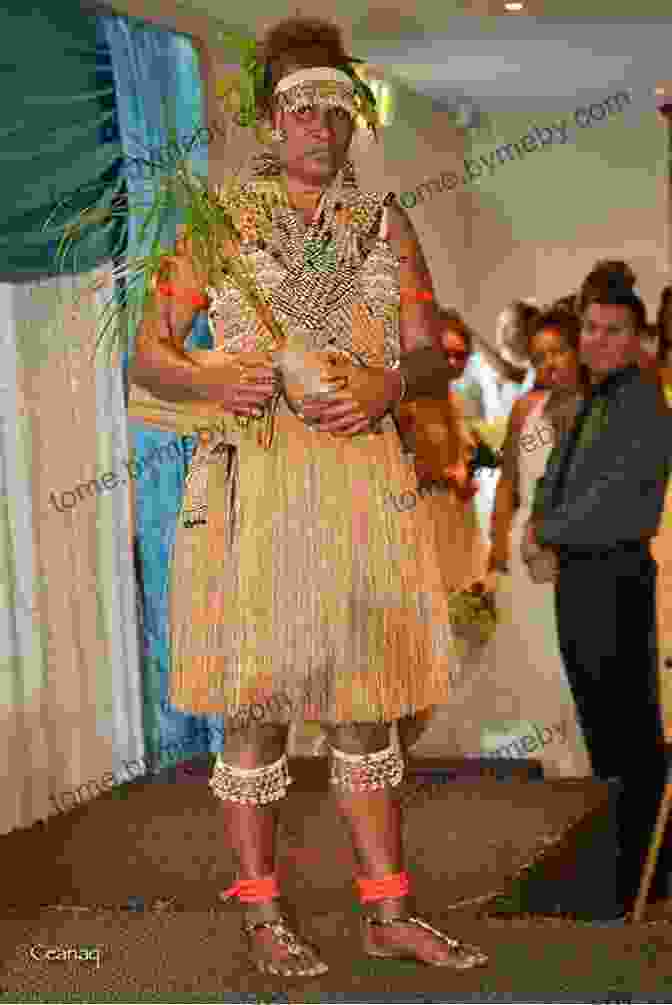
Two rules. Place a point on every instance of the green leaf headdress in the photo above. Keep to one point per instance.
(250, 86)
(243, 92)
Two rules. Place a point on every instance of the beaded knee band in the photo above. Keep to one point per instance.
(251, 785)
(365, 772)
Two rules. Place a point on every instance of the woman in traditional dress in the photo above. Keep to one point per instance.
(436, 431)
(292, 574)
(531, 680)
(444, 448)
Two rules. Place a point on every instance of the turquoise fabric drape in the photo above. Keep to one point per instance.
(158, 86)
(57, 99)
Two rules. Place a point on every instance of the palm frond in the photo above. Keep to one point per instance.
(208, 226)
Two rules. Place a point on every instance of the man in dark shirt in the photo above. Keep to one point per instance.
(598, 506)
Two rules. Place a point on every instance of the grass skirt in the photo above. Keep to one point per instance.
(309, 583)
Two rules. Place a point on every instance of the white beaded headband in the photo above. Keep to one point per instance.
(316, 73)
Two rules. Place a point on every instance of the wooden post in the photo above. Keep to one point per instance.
(654, 849)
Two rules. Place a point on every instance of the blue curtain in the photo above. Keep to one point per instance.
(158, 87)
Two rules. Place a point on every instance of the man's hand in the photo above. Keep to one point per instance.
(369, 395)
(542, 562)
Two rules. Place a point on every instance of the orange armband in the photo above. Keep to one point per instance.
(410, 294)
(170, 290)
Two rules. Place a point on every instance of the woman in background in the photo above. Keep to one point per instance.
(436, 431)
(443, 447)
(527, 665)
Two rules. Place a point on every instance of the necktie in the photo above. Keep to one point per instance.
(593, 423)
(590, 422)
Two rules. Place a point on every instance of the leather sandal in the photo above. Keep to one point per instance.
(287, 938)
(463, 955)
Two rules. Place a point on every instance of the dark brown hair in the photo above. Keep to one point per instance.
(568, 324)
(612, 282)
(560, 319)
(448, 317)
(302, 42)
(524, 314)
(567, 303)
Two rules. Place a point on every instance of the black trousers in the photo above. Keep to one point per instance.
(606, 615)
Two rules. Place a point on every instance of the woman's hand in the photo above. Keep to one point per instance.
(542, 562)
(371, 392)
(528, 545)
(544, 567)
(252, 391)
(242, 383)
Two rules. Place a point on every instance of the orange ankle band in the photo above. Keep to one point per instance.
(253, 891)
(388, 888)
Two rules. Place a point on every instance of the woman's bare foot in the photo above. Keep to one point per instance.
(415, 939)
(276, 949)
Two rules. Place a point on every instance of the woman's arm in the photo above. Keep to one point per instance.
(161, 365)
(507, 497)
(560, 410)
(424, 366)
(505, 369)
(158, 365)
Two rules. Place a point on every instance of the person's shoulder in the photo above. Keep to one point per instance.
(650, 386)
(654, 374)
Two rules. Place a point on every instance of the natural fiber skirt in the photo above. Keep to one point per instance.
(309, 584)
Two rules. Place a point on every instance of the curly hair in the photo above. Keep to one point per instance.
(566, 303)
(615, 267)
(448, 317)
(559, 319)
(523, 314)
(567, 322)
(612, 281)
(301, 42)
(514, 324)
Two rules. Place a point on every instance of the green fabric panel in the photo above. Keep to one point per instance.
(58, 98)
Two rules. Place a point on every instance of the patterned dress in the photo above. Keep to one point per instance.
(293, 572)
(518, 688)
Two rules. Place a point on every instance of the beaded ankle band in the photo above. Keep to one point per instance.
(365, 772)
(255, 786)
